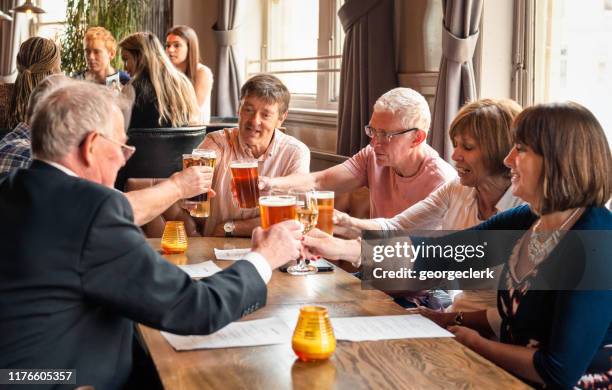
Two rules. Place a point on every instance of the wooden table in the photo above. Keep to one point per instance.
(437, 363)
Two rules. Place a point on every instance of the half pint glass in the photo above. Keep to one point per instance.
(244, 179)
(325, 202)
(199, 205)
(276, 208)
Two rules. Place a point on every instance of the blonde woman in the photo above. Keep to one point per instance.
(37, 58)
(164, 96)
(183, 50)
(100, 49)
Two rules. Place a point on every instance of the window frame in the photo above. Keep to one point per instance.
(531, 55)
(37, 24)
(329, 55)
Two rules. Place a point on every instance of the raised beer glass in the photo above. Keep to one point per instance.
(244, 180)
(199, 205)
(325, 203)
(276, 208)
(307, 213)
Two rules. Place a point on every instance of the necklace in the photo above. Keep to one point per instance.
(542, 243)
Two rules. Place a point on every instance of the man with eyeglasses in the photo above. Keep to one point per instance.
(148, 203)
(75, 272)
(398, 167)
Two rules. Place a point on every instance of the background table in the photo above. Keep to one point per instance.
(436, 363)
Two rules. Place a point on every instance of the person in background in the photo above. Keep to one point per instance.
(148, 203)
(37, 58)
(100, 49)
(164, 97)
(183, 50)
(264, 103)
(482, 138)
(398, 167)
(561, 166)
(76, 273)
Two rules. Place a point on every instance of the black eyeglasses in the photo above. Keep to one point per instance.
(384, 137)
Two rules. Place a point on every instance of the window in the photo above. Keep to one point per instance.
(571, 55)
(52, 23)
(302, 45)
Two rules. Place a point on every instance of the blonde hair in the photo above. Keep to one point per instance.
(174, 92)
(37, 58)
(101, 34)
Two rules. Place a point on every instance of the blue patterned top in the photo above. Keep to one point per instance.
(15, 151)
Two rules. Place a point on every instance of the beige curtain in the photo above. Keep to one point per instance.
(229, 78)
(456, 83)
(10, 38)
(368, 67)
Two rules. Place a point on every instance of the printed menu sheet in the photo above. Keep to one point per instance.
(200, 270)
(231, 254)
(410, 326)
(237, 334)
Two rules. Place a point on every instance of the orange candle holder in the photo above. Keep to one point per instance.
(313, 338)
(174, 239)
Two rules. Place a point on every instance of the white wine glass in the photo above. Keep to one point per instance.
(307, 212)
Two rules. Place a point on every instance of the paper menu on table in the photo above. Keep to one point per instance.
(410, 326)
(231, 254)
(200, 270)
(266, 331)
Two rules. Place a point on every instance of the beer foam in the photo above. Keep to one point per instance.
(208, 153)
(276, 201)
(244, 164)
(324, 195)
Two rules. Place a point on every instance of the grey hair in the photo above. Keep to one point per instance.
(67, 114)
(408, 105)
(46, 86)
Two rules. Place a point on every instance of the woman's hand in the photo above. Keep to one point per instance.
(466, 336)
(319, 243)
(344, 226)
(439, 317)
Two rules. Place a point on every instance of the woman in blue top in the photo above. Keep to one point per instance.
(562, 167)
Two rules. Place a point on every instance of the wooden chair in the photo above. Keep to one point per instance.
(355, 203)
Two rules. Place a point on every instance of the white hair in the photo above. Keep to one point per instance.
(66, 114)
(408, 105)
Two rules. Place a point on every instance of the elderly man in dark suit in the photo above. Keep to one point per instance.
(75, 271)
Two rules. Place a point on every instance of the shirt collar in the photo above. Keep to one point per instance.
(270, 151)
(23, 128)
(507, 201)
(59, 166)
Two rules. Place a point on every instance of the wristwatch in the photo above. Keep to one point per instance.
(228, 228)
(459, 319)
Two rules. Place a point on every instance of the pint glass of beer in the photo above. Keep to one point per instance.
(244, 179)
(325, 202)
(199, 205)
(276, 208)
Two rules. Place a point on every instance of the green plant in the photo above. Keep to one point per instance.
(120, 17)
